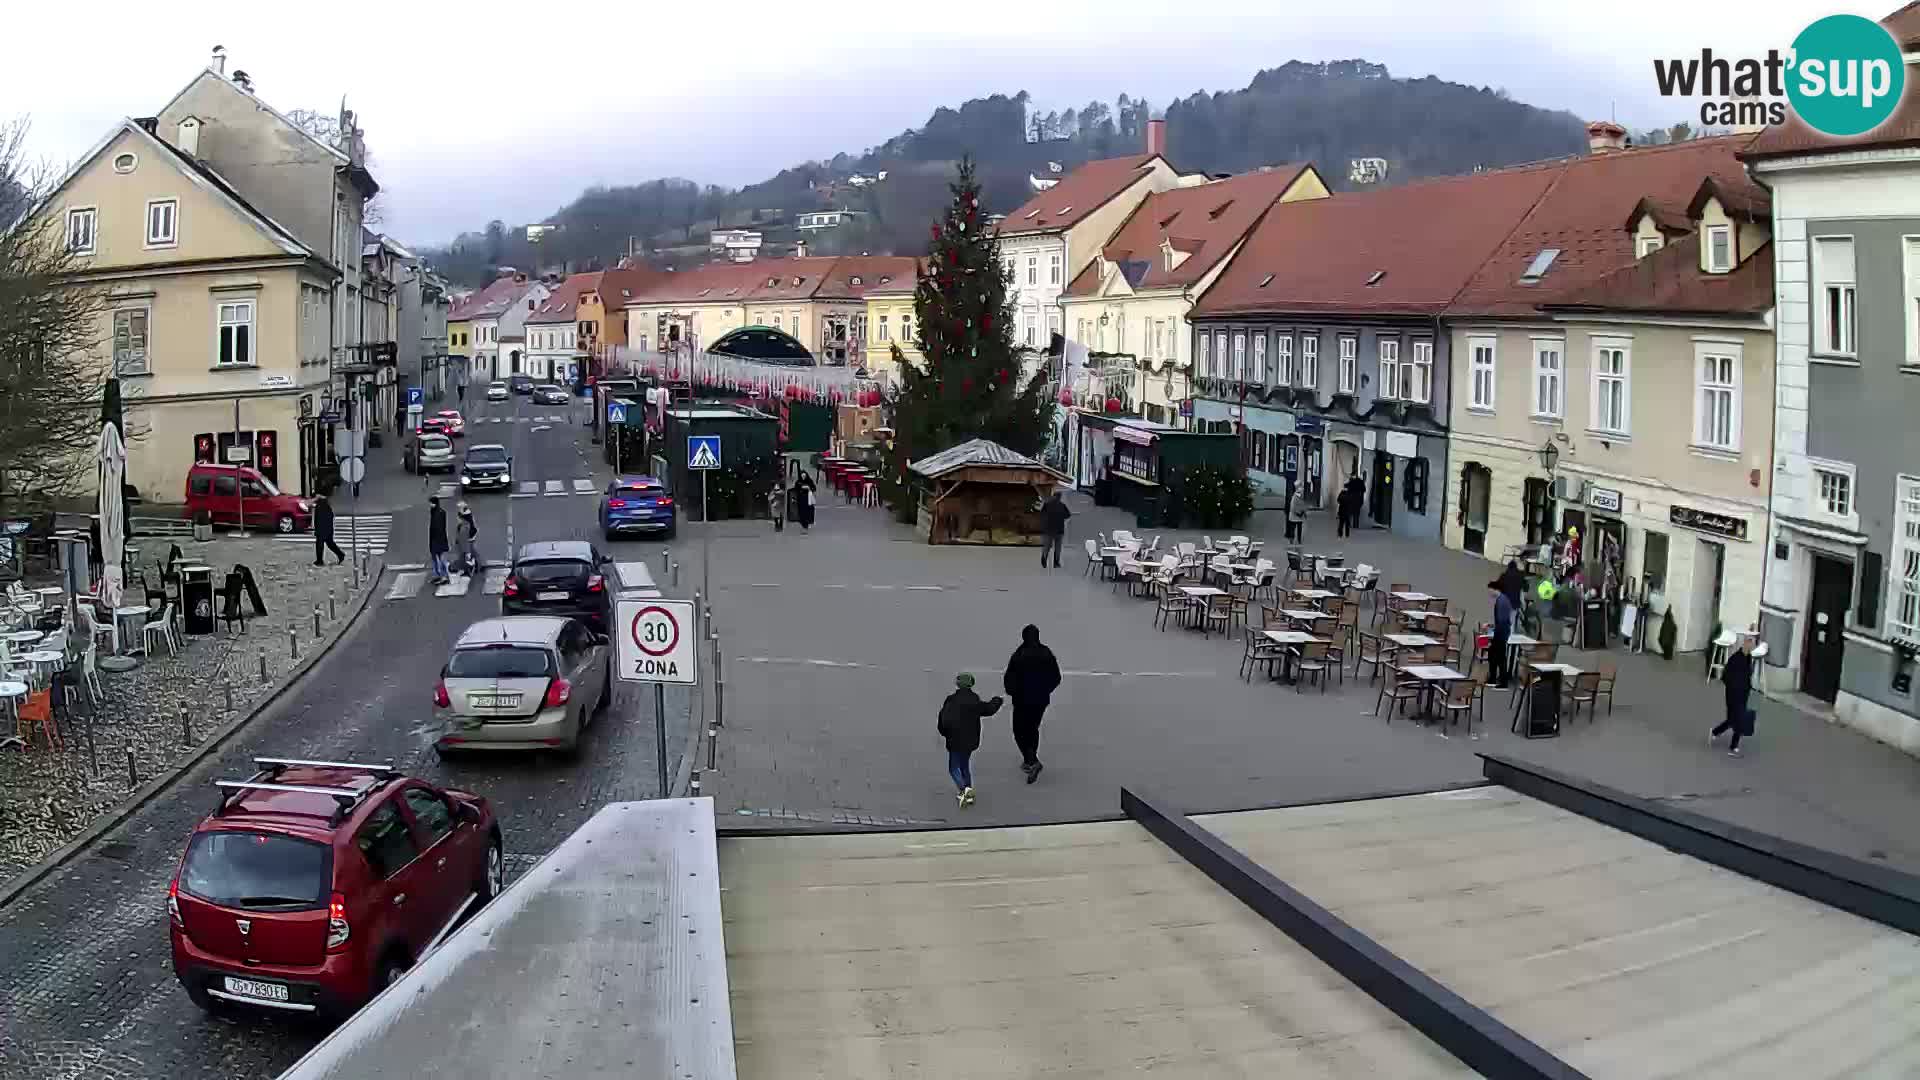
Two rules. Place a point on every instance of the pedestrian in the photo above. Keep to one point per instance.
(1351, 496)
(323, 531)
(803, 500)
(1053, 530)
(1503, 608)
(1513, 582)
(1738, 677)
(466, 532)
(1032, 676)
(777, 506)
(460, 391)
(960, 717)
(437, 539)
(1297, 515)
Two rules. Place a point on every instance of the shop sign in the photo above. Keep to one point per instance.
(1133, 435)
(1706, 521)
(1309, 425)
(1607, 499)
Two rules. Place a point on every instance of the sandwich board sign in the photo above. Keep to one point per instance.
(654, 641)
(703, 451)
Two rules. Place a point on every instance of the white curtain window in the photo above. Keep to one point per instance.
(130, 341)
(1717, 414)
(906, 328)
(1420, 373)
(1834, 295)
(1310, 360)
(1389, 367)
(1031, 330)
(1053, 269)
(1481, 371)
(1283, 359)
(1260, 358)
(1719, 248)
(1220, 357)
(163, 219)
(236, 333)
(80, 230)
(1647, 245)
(886, 332)
(1548, 368)
(1349, 362)
(1159, 337)
(1240, 355)
(1903, 615)
(1612, 397)
(1206, 357)
(1033, 269)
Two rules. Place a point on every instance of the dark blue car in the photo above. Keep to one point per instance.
(636, 504)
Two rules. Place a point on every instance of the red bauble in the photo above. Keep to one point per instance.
(953, 257)
(986, 322)
(1066, 397)
(1113, 405)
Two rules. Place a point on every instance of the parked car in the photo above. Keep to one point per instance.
(486, 465)
(496, 391)
(313, 885)
(223, 490)
(549, 394)
(436, 425)
(429, 452)
(637, 504)
(520, 384)
(530, 682)
(456, 424)
(559, 577)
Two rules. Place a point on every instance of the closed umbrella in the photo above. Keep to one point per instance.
(111, 455)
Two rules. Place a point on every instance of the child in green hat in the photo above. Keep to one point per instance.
(960, 717)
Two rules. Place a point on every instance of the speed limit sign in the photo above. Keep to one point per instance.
(654, 641)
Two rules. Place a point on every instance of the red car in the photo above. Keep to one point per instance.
(435, 425)
(456, 424)
(314, 885)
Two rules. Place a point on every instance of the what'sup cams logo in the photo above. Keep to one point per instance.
(1843, 76)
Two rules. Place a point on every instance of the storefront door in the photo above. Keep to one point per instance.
(1823, 651)
(1381, 499)
(1476, 483)
(1346, 463)
(1313, 463)
(1537, 511)
(1708, 566)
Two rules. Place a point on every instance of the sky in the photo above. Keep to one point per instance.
(479, 110)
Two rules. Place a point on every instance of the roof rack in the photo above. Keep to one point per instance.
(345, 797)
(383, 770)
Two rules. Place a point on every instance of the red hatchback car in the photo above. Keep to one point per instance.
(315, 884)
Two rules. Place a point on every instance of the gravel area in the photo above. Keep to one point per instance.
(47, 797)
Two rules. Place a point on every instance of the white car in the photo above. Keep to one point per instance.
(496, 391)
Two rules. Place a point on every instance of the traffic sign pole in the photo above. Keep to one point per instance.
(660, 733)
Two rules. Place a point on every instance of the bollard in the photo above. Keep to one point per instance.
(316, 622)
(332, 612)
(694, 791)
(229, 697)
(263, 663)
(133, 773)
(93, 751)
(713, 743)
(293, 644)
(666, 558)
(719, 687)
(186, 727)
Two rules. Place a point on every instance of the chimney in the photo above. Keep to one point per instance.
(219, 62)
(242, 80)
(189, 138)
(1156, 136)
(1604, 136)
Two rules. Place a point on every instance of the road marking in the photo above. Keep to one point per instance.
(583, 487)
(398, 567)
(407, 585)
(803, 661)
(542, 427)
(926, 588)
(457, 585)
(555, 487)
(448, 489)
(356, 532)
(529, 487)
(495, 583)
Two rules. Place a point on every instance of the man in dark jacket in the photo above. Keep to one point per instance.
(1053, 527)
(1513, 582)
(1351, 497)
(1032, 676)
(323, 531)
(1738, 677)
(959, 723)
(1497, 673)
(437, 545)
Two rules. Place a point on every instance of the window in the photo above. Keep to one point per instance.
(1007, 265)
(1716, 421)
(1130, 459)
(1611, 397)
(1480, 372)
(1159, 337)
(80, 230)
(1223, 366)
(1260, 358)
(776, 320)
(236, 333)
(1033, 270)
(1349, 361)
(1834, 495)
(885, 331)
(906, 327)
(1419, 374)
(1389, 367)
(1283, 359)
(163, 218)
(1903, 614)
(1548, 396)
(1310, 360)
(1911, 254)
(431, 811)
(1834, 285)
(1240, 355)
(385, 842)
(1053, 269)
(1206, 357)
(124, 163)
(1647, 245)
(1719, 248)
(1030, 329)
(130, 341)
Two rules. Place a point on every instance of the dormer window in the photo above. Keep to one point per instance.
(1646, 245)
(855, 279)
(1719, 248)
(1537, 269)
(1375, 278)
(773, 283)
(1215, 213)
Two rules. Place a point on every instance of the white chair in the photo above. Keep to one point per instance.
(162, 628)
(90, 672)
(96, 629)
(1760, 667)
(1237, 541)
(1093, 558)
(1206, 543)
(1187, 554)
(1718, 662)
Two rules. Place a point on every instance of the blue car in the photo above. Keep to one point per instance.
(636, 504)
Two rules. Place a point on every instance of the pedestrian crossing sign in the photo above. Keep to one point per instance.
(703, 451)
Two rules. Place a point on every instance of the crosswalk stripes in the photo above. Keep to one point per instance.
(447, 490)
(582, 487)
(555, 487)
(495, 583)
(363, 532)
(528, 489)
(406, 586)
(457, 585)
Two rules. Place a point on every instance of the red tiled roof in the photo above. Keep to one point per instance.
(874, 272)
(561, 305)
(1581, 215)
(1078, 194)
(707, 283)
(1317, 255)
(1668, 219)
(492, 301)
(622, 284)
(1670, 282)
(1204, 221)
(1902, 128)
(790, 279)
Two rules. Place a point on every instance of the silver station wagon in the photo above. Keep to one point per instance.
(522, 682)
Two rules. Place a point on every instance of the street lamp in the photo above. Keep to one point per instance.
(1549, 455)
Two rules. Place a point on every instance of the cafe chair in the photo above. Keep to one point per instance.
(1583, 690)
(1609, 674)
(37, 712)
(162, 629)
(1398, 689)
(1215, 609)
(1172, 605)
(1093, 558)
(1337, 654)
(96, 629)
(1239, 600)
(1313, 661)
(1260, 650)
(1373, 651)
(1460, 698)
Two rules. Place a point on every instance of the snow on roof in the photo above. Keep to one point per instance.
(974, 452)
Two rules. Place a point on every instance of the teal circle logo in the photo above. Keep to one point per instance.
(1847, 76)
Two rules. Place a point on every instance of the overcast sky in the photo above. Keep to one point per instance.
(475, 110)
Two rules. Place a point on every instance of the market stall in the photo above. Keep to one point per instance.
(982, 493)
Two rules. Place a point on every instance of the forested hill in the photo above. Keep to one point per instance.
(1327, 113)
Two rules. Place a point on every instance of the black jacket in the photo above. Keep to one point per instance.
(1032, 674)
(437, 529)
(323, 517)
(960, 717)
(1739, 678)
(1514, 584)
(1053, 517)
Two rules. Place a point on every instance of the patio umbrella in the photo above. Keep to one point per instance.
(111, 453)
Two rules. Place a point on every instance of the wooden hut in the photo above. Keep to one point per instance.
(982, 493)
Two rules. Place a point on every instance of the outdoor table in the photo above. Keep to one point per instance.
(23, 637)
(13, 693)
(1288, 639)
(1204, 594)
(42, 658)
(1305, 616)
(1516, 642)
(1411, 641)
(50, 593)
(1412, 597)
(1432, 676)
(1520, 700)
(128, 620)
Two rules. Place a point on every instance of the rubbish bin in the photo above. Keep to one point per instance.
(1543, 706)
(202, 525)
(196, 598)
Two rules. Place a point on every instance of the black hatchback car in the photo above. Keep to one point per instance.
(559, 577)
(486, 466)
(520, 384)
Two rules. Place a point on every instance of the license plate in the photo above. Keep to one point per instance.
(550, 596)
(493, 701)
(265, 991)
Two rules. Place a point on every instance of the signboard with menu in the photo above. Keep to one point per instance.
(1706, 521)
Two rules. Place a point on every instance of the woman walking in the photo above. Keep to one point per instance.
(1738, 677)
(803, 500)
(466, 532)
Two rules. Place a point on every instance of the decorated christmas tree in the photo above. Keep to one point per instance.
(971, 386)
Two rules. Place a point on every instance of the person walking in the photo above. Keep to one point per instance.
(803, 500)
(1351, 496)
(437, 539)
(1297, 515)
(1738, 677)
(323, 531)
(466, 533)
(1497, 659)
(959, 724)
(1032, 676)
(1053, 532)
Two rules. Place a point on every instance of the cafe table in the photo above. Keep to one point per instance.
(129, 621)
(1305, 616)
(1205, 594)
(1289, 640)
(44, 662)
(1520, 700)
(12, 693)
(23, 637)
(1515, 642)
(1313, 596)
(1432, 677)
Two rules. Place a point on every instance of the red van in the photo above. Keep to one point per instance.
(223, 489)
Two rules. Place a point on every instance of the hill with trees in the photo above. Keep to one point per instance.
(1325, 113)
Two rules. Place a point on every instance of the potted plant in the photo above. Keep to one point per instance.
(1669, 634)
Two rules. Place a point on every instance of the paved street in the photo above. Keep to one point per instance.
(88, 983)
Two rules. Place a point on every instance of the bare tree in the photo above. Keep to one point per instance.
(326, 128)
(51, 376)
